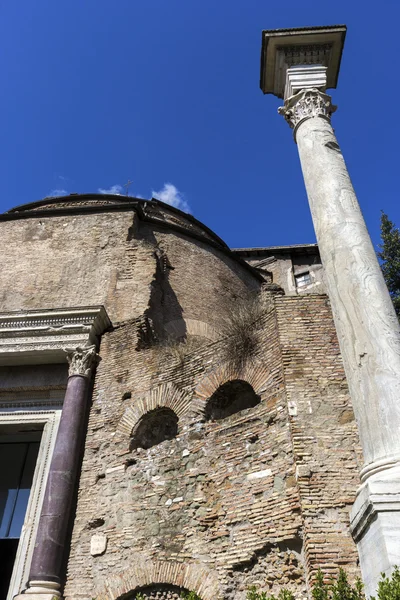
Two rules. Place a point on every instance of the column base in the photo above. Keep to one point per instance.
(375, 526)
(41, 590)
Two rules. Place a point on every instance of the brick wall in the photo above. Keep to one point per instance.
(258, 498)
(261, 498)
(222, 494)
(324, 432)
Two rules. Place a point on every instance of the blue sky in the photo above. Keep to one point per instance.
(160, 92)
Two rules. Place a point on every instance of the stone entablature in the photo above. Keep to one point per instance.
(43, 336)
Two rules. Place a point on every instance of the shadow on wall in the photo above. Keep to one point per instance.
(163, 305)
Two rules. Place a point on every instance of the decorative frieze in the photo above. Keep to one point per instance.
(41, 336)
(307, 54)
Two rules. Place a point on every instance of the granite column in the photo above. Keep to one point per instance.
(45, 574)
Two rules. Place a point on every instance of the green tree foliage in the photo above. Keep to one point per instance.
(253, 594)
(339, 589)
(190, 596)
(389, 587)
(389, 254)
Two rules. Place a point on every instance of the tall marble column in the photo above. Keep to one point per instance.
(299, 65)
(45, 573)
(367, 327)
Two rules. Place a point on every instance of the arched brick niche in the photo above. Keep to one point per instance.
(168, 579)
(158, 592)
(230, 398)
(227, 390)
(166, 401)
(155, 427)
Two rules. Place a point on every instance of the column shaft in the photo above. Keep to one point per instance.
(367, 328)
(365, 319)
(54, 520)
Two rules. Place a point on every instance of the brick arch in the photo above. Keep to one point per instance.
(166, 395)
(193, 577)
(256, 374)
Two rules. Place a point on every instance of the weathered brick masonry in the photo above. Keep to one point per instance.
(324, 433)
(258, 497)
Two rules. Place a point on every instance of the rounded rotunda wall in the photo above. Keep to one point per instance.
(137, 258)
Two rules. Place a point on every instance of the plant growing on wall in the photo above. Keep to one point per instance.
(190, 596)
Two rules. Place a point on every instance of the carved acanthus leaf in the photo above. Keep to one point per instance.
(306, 104)
(81, 360)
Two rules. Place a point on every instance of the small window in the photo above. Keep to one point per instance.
(303, 279)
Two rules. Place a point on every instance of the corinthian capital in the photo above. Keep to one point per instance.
(81, 360)
(306, 104)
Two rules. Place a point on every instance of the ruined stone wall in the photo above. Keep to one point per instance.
(195, 286)
(324, 432)
(259, 497)
(221, 496)
(285, 266)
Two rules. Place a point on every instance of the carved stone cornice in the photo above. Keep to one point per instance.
(82, 360)
(41, 336)
(305, 105)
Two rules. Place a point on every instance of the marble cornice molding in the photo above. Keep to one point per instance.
(41, 336)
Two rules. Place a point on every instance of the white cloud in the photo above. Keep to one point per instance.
(114, 189)
(171, 195)
(58, 193)
(168, 194)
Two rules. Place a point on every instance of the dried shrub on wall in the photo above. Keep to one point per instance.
(177, 350)
(240, 328)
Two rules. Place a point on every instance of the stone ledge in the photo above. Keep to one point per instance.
(41, 336)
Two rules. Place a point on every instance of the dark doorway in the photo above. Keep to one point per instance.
(18, 456)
